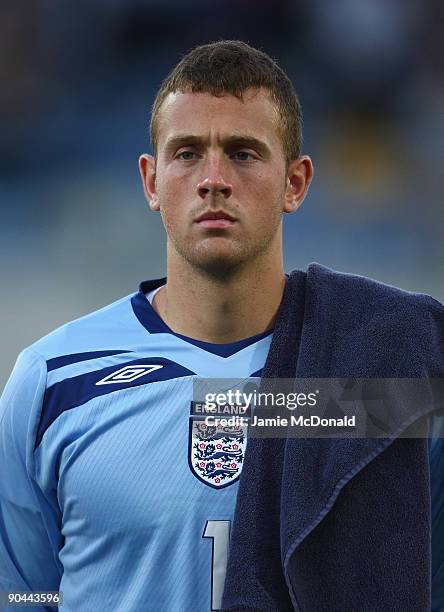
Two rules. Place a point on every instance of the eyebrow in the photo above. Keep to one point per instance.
(237, 140)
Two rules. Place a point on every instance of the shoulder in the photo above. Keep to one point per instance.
(360, 294)
(360, 289)
(98, 330)
(398, 323)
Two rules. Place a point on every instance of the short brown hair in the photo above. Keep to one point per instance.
(232, 67)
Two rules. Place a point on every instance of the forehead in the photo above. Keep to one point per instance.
(203, 114)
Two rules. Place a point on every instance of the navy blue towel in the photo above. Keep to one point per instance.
(339, 525)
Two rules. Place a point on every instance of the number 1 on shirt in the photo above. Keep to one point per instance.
(219, 532)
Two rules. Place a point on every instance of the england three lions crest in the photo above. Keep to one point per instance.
(217, 443)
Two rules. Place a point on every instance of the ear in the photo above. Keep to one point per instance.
(147, 167)
(299, 176)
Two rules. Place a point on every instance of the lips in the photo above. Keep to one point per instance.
(216, 219)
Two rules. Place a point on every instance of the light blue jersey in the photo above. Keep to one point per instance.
(108, 492)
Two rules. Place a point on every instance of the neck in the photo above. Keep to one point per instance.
(197, 305)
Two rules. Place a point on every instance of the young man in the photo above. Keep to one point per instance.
(111, 492)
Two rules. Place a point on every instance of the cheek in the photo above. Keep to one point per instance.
(172, 208)
(268, 195)
(168, 196)
(172, 188)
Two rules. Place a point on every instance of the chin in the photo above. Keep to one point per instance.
(219, 261)
(218, 266)
(221, 268)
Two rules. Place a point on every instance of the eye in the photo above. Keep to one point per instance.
(243, 156)
(186, 155)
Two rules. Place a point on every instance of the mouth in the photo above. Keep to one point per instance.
(215, 220)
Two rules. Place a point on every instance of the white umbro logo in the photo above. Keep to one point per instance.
(128, 374)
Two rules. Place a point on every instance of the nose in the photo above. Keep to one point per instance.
(214, 183)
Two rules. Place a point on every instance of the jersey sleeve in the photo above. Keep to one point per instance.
(27, 558)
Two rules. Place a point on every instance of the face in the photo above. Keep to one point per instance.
(219, 179)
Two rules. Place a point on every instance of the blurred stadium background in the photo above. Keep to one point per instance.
(78, 80)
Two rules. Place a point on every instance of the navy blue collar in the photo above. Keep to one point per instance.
(149, 318)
